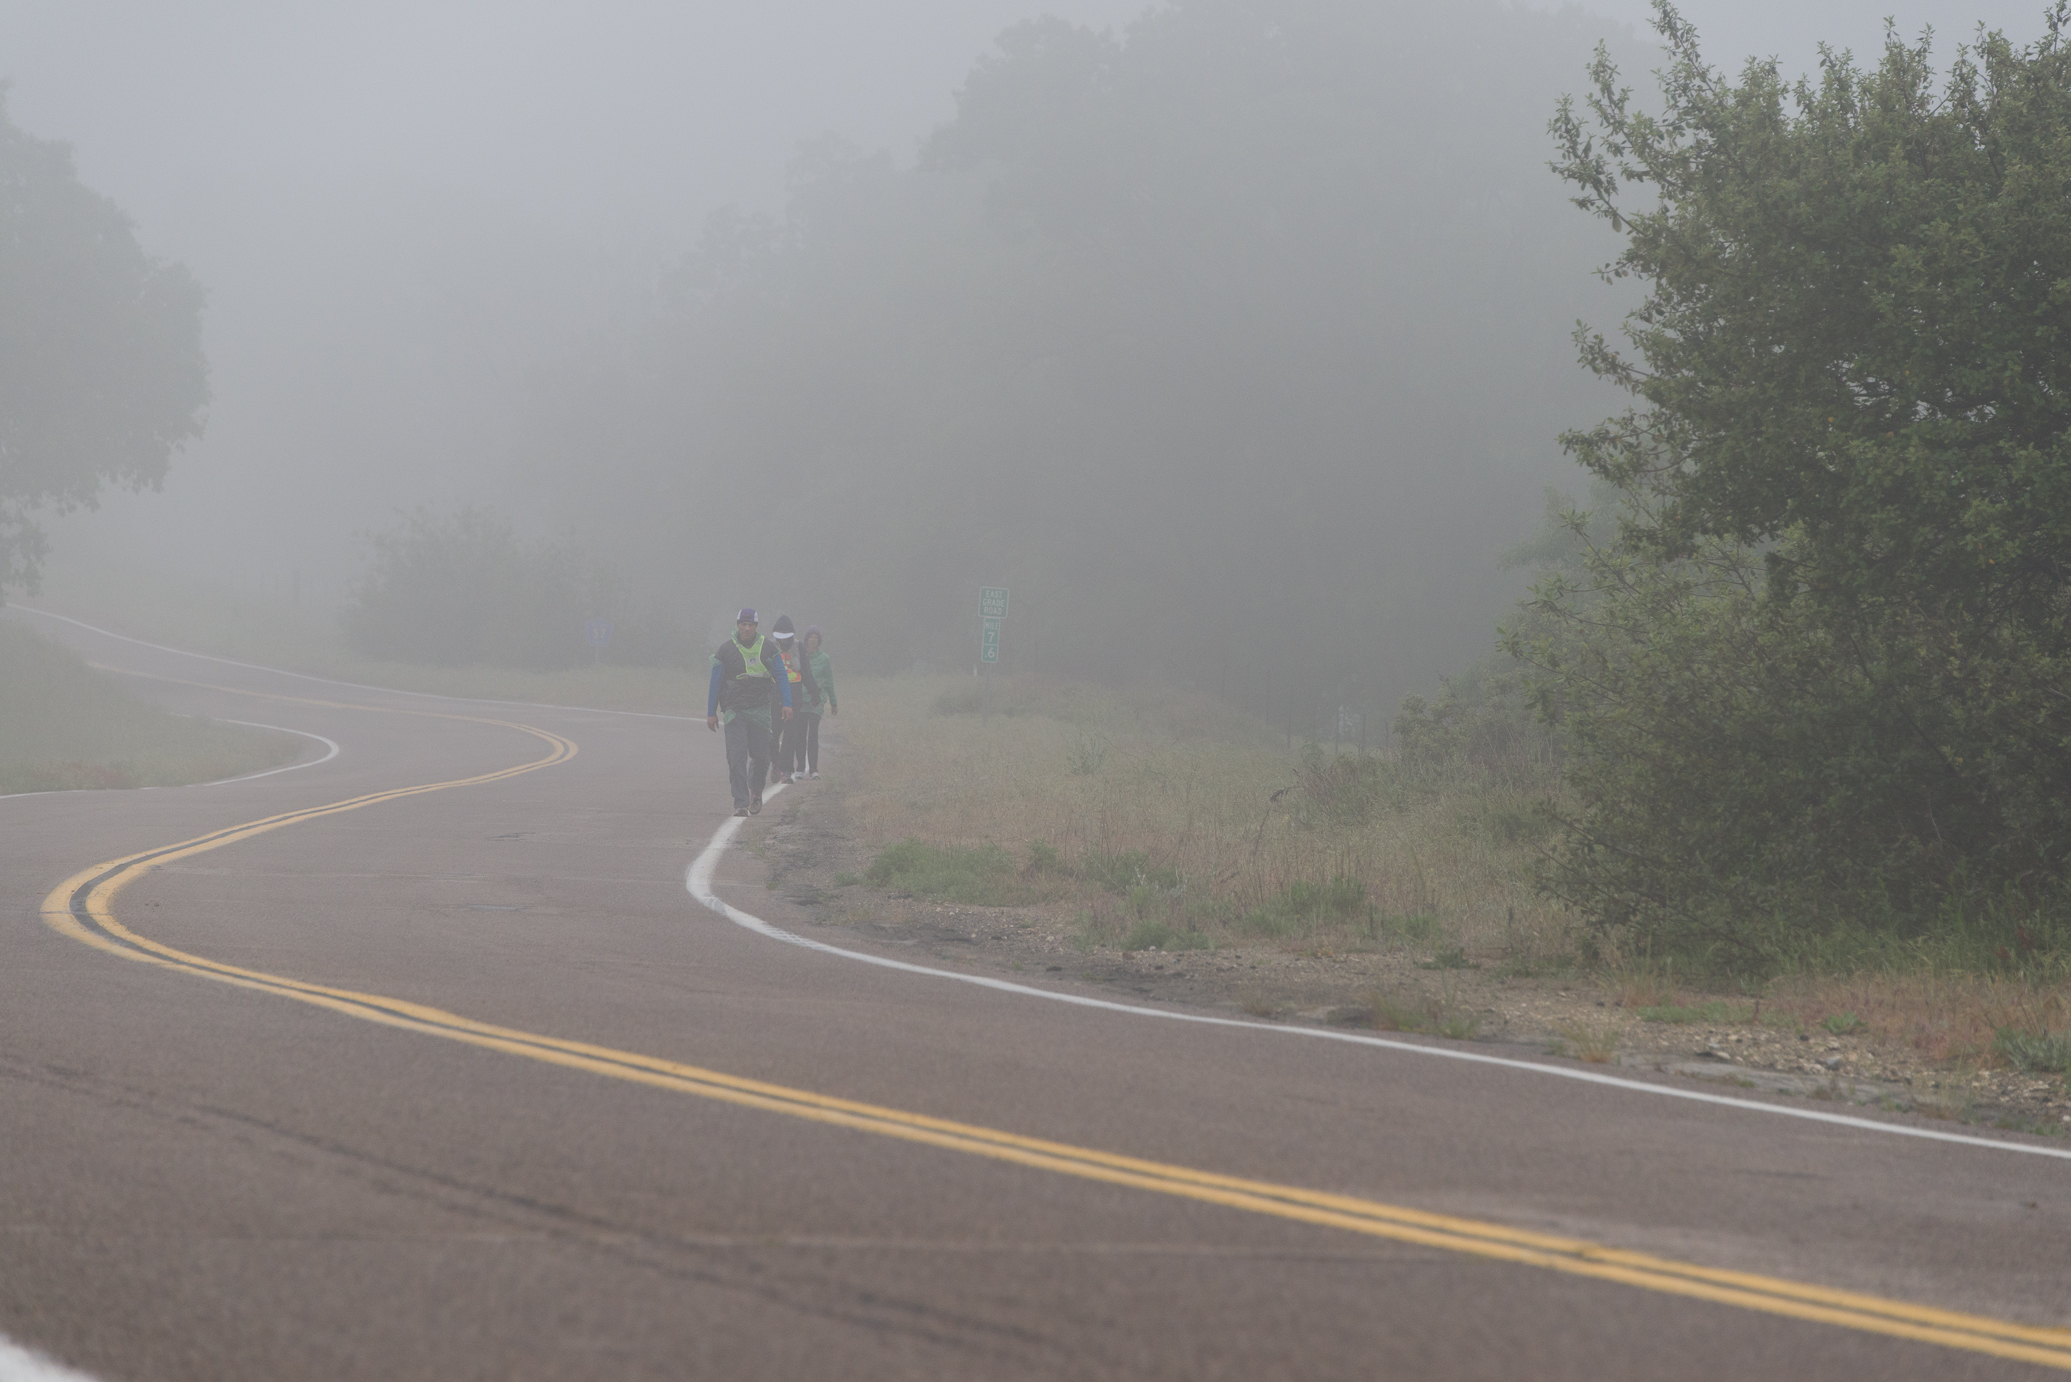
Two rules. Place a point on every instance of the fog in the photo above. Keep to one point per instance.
(1228, 332)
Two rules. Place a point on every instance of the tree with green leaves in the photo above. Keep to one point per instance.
(102, 376)
(463, 588)
(1821, 679)
(1180, 332)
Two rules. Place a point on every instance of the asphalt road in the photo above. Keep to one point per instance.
(464, 1083)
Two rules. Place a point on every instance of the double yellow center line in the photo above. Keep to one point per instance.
(82, 907)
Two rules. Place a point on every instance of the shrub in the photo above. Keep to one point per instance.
(1812, 685)
(1131, 868)
(2038, 1052)
(1302, 904)
(1345, 789)
(465, 589)
(1484, 717)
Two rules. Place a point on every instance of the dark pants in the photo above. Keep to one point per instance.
(747, 758)
(812, 741)
(790, 746)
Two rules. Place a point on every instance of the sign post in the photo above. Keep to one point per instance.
(599, 631)
(992, 610)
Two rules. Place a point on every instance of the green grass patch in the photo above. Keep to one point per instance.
(64, 726)
(1841, 1024)
(981, 877)
(2040, 1053)
(1302, 905)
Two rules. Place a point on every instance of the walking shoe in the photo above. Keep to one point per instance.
(740, 810)
(755, 803)
(814, 776)
(798, 777)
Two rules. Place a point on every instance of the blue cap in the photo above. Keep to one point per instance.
(747, 616)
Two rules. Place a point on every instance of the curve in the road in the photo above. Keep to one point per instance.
(330, 681)
(82, 907)
(697, 879)
(330, 744)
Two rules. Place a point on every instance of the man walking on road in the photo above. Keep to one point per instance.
(746, 690)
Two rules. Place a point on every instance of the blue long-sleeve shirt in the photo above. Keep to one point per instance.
(783, 682)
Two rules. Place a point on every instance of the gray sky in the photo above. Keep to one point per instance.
(597, 113)
(588, 115)
(395, 205)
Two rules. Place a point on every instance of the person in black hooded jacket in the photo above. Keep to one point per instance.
(788, 763)
(743, 695)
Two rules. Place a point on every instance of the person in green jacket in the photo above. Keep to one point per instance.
(819, 695)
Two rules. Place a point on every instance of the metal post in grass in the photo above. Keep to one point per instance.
(992, 610)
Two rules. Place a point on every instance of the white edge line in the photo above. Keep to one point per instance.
(333, 681)
(697, 880)
(18, 1364)
(332, 744)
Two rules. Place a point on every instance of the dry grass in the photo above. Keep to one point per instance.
(1595, 1042)
(1440, 1013)
(1925, 1018)
(1640, 985)
(1232, 831)
(1941, 1017)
